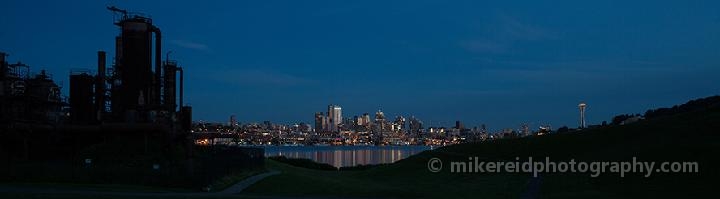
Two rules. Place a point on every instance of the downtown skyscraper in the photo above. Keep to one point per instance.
(334, 117)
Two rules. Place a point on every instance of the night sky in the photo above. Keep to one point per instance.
(499, 63)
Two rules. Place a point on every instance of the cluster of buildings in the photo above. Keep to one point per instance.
(331, 128)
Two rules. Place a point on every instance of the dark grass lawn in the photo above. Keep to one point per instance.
(385, 181)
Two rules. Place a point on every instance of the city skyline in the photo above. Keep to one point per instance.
(323, 122)
(487, 63)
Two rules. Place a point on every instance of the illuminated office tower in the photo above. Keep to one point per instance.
(334, 117)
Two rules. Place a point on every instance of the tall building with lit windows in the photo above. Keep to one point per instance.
(334, 117)
(415, 125)
(320, 122)
(364, 120)
(380, 122)
(233, 121)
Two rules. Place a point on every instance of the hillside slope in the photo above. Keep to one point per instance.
(689, 136)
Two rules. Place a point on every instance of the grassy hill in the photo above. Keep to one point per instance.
(688, 136)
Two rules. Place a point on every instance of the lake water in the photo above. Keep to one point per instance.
(343, 156)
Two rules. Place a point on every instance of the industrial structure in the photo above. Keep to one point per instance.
(132, 91)
(25, 97)
(128, 99)
(123, 123)
(130, 111)
(129, 92)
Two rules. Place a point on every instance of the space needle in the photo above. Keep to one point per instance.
(582, 107)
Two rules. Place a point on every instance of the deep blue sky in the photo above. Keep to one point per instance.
(499, 63)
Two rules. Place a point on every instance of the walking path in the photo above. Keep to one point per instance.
(240, 186)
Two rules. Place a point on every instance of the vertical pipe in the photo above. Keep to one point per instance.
(100, 86)
(118, 49)
(117, 93)
(181, 86)
(3, 68)
(158, 62)
(2, 58)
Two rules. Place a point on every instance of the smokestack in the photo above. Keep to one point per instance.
(3, 69)
(100, 85)
(170, 86)
(2, 58)
(181, 85)
(158, 62)
(118, 49)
